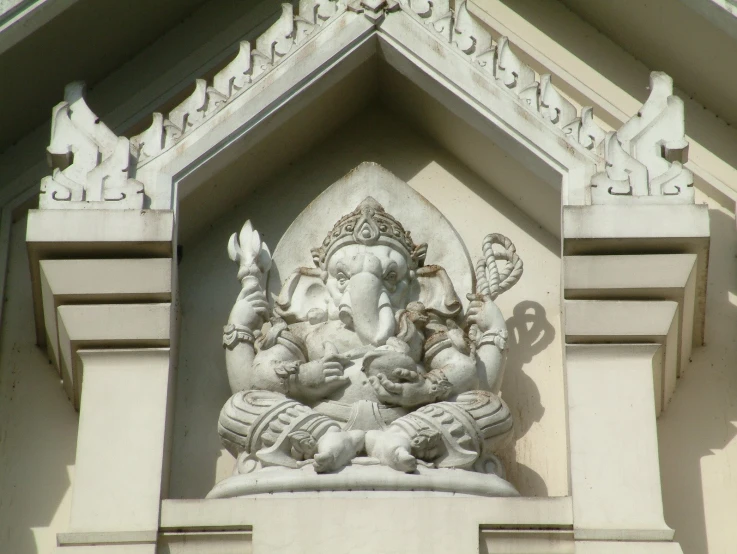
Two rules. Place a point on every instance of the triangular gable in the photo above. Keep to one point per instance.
(443, 48)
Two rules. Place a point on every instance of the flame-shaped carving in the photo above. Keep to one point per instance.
(250, 253)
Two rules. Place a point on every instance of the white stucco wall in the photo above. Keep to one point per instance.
(698, 431)
(698, 450)
(38, 426)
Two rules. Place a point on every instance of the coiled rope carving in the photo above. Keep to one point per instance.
(490, 280)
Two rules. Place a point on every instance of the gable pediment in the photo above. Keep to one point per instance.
(334, 47)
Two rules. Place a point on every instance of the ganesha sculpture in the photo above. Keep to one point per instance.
(367, 359)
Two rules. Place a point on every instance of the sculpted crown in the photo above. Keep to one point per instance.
(369, 224)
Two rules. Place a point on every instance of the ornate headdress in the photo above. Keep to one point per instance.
(369, 224)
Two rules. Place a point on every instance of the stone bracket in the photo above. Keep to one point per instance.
(608, 230)
(634, 285)
(639, 277)
(69, 285)
(106, 326)
(90, 234)
(630, 322)
(101, 279)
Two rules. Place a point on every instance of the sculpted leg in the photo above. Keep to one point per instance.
(263, 428)
(465, 433)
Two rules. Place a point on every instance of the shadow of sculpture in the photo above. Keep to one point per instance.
(530, 333)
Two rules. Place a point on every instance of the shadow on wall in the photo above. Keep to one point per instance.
(530, 333)
(38, 425)
(697, 431)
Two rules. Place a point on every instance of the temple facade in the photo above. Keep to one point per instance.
(387, 276)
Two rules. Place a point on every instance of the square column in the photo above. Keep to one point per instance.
(615, 473)
(121, 449)
(104, 285)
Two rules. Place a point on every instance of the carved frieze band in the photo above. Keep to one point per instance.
(644, 157)
(250, 64)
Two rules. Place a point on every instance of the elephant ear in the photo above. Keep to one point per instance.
(437, 292)
(303, 297)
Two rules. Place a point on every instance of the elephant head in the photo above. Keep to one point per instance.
(367, 270)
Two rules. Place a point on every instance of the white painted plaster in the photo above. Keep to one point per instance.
(615, 488)
(121, 432)
(35, 474)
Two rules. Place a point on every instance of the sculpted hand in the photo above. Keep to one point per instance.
(318, 378)
(250, 309)
(405, 388)
(482, 311)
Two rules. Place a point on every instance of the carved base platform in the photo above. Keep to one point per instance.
(362, 478)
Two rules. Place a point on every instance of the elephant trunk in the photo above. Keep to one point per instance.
(366, 308)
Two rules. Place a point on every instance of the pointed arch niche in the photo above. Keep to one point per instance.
(603, 322)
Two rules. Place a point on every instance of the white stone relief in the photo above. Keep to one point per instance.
(90, 163)
(498, 59)
(585, 130)
(367, 359)
(373, 10)
(645, 157)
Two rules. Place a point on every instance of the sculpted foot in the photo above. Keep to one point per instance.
(336, 449)
(391, 449)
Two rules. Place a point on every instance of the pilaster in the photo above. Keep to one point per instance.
(634, 280)
(121, 447)
(615, 475)
(104, 283)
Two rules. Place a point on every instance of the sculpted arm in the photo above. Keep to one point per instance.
(248, 315)
(251, 309)
(260, 357)
(454, 362)
(281, 365)
(485, 322)
(487, 328)
(489, 332)
(451, 362)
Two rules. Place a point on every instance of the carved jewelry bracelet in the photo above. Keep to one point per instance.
(233, 334)
(497, 337)
(286, 372)
(441, 387)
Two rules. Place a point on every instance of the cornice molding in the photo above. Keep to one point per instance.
(642, 161)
